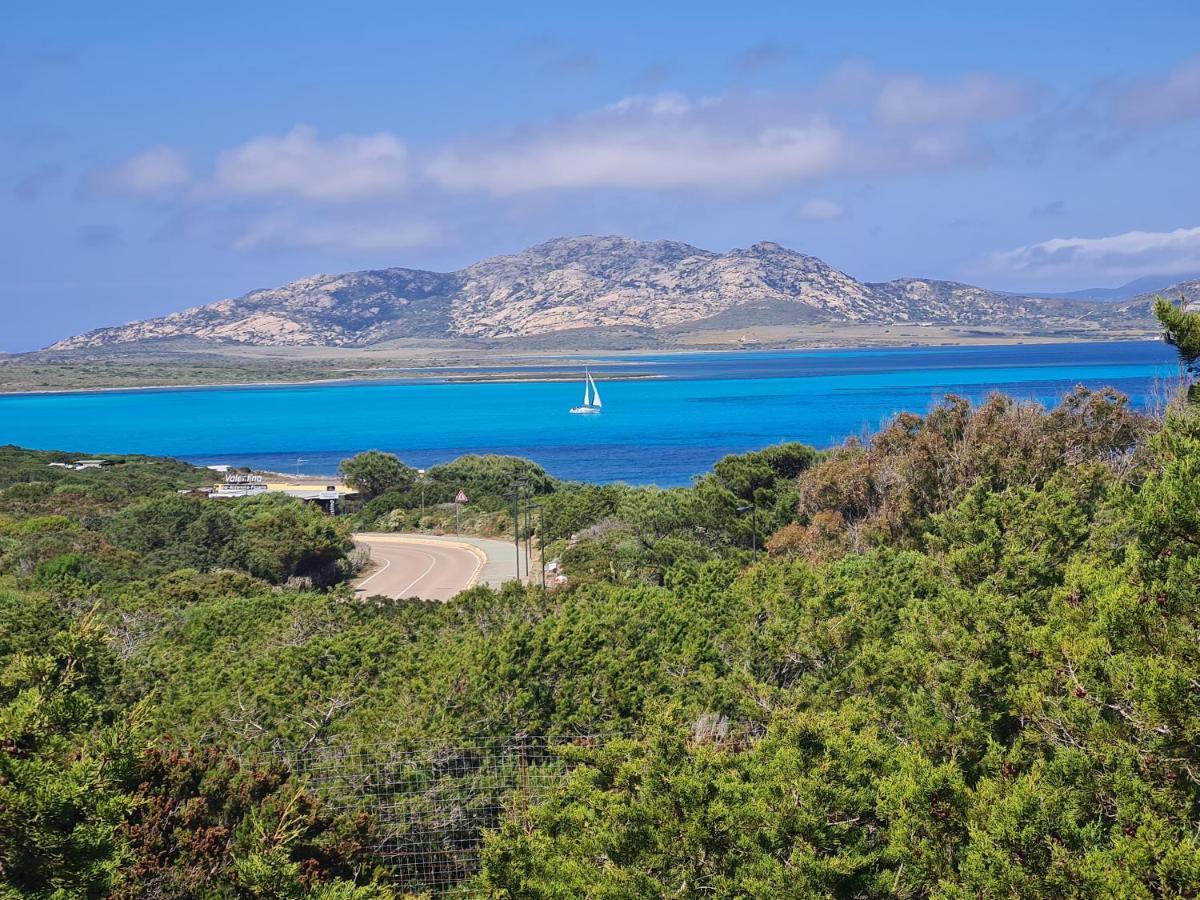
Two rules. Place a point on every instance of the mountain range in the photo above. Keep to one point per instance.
(578, 287)
(1147, 284)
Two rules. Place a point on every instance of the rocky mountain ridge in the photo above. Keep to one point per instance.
(589, 282)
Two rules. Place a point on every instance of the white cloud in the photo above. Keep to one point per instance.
(300, 163)
(155, 169)
(668, 103)
(342, 233)
(817, 210)
(856, 121)
(912, 100)
(1177, 96)
(1128, 255)
(304, 189)
(659, 143)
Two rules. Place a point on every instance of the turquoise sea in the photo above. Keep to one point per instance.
(661, 429)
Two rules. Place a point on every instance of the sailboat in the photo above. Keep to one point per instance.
(591, 397)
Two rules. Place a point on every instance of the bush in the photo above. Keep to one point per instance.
(172, 532)
(287, 538)
(487, 479)
(374, 473)
(205, 824)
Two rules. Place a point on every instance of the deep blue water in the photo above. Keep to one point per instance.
(662, 430)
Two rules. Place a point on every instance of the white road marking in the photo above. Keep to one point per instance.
(444, 553)
(361, 584)
(432, 562)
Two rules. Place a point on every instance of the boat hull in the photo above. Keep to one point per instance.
(584, 411)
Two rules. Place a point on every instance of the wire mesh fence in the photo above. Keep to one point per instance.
(434, 804)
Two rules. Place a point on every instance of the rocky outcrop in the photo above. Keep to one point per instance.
(597, 282)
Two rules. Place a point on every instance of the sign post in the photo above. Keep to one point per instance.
(459, 499)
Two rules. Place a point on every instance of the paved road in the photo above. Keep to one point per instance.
(433, 568)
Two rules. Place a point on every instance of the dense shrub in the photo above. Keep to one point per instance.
(886, 491)
(967, 667)
(205, 824)
(374, 473)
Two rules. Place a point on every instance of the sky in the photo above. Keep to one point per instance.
(155, 157)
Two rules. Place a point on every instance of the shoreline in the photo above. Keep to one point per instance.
(318, 382)
(428, 373)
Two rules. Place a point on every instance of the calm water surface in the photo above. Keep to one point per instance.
(663, 430)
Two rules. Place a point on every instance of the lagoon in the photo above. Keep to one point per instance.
(663, 429)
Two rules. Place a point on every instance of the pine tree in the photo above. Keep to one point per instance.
(1181, 329)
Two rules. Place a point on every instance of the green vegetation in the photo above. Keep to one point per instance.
(1181, 329)
(397, 498)
(58, 372)
(374, 473)
(92, 530)
(965, 664)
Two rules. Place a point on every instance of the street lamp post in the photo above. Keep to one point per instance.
(518, 484)
(528, 537)
(516, 498)
(752, 508)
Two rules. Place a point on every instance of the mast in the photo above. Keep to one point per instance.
(587, 401)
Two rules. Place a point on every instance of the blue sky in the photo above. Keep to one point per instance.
(159, 156)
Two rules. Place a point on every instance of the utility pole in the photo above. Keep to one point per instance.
(516, 495)
(528, 537)
(516, 530)
(541, 538)
(421, 481)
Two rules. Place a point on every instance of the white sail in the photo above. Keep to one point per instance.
(591, 396)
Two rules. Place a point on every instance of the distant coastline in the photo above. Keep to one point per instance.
(718, 403)
(422, 366)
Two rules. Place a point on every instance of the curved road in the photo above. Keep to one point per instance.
(419, 566)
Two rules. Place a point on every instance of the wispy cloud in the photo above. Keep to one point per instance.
(913, 100)
(665, 141)
(761, 56)
(1128, 255)
(1049, 210)
(352, 233)
(732, 142)
(819, 210)
(97, 236)
(1168, 98)
(554, 55)
(300, 163)
(653, 75)
(30, 187)
(153, 170)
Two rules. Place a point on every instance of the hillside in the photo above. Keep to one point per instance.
(956, 658)
(1147, 284)
(583, 287)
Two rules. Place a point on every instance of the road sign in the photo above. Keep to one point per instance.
(459, 499)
